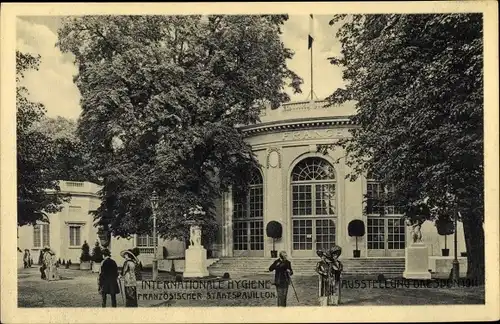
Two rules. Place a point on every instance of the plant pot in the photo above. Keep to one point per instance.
(85, 265)
(463, 254)
(356, 253)
(96, 267)
(274, 254)
(445, 252)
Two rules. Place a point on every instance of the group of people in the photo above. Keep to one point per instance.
(110, 279)
(329, 269)
(48, 263)
(27, 261)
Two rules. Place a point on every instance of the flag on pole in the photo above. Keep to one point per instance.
(311, 32)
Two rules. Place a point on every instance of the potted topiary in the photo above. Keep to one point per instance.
(274, 230)
(85, 257)
(445, 226)
(97, 257)
(356, 228)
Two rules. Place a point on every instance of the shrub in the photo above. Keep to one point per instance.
(274, 230)
(85, 256)
(356, 228)
(97, 253)
(445, 227)
(136, 251)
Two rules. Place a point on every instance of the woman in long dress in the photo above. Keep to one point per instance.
(329, 270)
(129, 278)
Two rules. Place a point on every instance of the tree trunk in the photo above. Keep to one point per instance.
(474, 242)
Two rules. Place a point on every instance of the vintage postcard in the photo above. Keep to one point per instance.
(249, 162)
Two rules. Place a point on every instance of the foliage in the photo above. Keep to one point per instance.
(136, 251)
(85, 256)
(417, 81)
(356, 228)
(97, 253)
(274, 229)
(161, 99)
(71, 154)
(445, 226)
(38, 192)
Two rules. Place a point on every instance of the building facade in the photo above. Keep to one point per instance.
(304, 190)
(308, 193)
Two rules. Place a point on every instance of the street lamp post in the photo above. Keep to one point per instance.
(456, 265)
(154, 205)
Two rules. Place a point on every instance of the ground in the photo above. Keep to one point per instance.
(79, 289)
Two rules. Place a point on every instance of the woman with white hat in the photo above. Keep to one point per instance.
(129, 278)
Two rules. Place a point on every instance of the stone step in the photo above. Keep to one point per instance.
(390, 267)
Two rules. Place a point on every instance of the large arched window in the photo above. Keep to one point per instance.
(313, 206)
(248, 218)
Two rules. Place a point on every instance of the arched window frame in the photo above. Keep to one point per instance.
(308, 183)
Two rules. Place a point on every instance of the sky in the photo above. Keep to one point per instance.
(53, 86)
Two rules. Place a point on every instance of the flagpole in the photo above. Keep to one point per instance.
(312, 76)
(310, 46)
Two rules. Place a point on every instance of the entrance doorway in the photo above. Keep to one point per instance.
(386, 237)
(248, 219)
(313, 204)
(248, 238)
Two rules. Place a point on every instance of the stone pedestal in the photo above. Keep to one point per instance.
(417, 262)
(196, 262)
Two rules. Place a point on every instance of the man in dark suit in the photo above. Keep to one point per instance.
(108, 276)
(283, 271)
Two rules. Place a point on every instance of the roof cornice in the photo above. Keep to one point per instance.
(292, 124)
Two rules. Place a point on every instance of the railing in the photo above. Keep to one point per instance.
(147, 250)
(74, 184)
(305, 105)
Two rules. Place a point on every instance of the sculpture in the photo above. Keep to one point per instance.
(416, 230)
(195, 235)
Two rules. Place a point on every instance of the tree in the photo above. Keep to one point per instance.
(274, 230)
(71, 154)
(162, 97)
(38, 192)
(85, 255)
(418, 86)
(97, 253)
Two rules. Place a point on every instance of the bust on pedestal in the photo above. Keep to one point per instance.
(196, 255)
(417, 257)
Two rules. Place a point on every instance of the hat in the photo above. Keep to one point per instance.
(320, 253)
(334, 252)
(130, 254)
(106, 252)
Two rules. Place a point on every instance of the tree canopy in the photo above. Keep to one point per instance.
(38, 192)
(418, 83)
(71, 155)
(161, 99)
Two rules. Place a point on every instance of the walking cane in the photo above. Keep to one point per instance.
(121, 290)
(291, 282)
